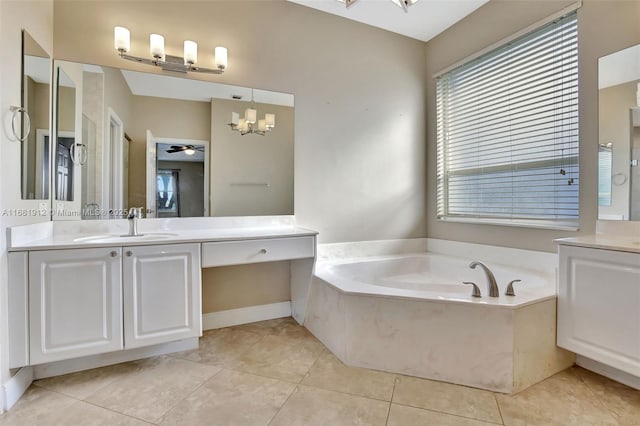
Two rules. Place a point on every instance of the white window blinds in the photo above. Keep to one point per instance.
(507, 132)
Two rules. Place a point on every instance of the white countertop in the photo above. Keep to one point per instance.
(629, 244)
(91, 234)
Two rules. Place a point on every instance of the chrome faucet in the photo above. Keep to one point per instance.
(491, 284)
(134, 214)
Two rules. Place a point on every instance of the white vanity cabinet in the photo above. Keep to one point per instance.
(75, 303)
(599, 306)
(162, 289)
(90, 301)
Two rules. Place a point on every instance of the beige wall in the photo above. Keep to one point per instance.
(37, 18)
(66, 104)
(360, 105)
(251, 159)
(232, 287)
(603, 27)
(615, 126)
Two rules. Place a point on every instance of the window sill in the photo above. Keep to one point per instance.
(519, 223)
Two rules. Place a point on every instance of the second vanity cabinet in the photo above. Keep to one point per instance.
(599, 306)
(90, 301)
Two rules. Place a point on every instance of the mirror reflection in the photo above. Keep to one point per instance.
(36, 74)
(619, 135)
(65, 136)
(165, 143)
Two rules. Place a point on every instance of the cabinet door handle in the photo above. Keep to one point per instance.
(129, 253)
(263, 251)
(113, 254)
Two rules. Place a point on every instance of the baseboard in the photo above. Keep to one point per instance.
(246, 315)
(67, 366)
(610, 372)
(15, 387)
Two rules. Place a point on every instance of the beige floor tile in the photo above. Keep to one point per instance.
(82, 384)
(37, 406)
(447, 398)
(310, 407)
(563, 399)
(280, 357)
(622, 401)
(401, 415)
(221, 347)
(231, 398)
(330, 373)
(150, 391)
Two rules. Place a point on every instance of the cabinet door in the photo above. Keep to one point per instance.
(599, 306)
(75, 303)
(162, 294)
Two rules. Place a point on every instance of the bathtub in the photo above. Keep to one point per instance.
(434, 277)
(410, 314)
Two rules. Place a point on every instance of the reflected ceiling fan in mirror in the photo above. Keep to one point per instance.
(187, 149)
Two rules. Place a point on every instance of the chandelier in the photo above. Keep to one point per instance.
(404, 4)
(122, 43)
(250, 124)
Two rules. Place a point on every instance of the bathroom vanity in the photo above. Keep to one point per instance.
(599, 304)
(81, 289)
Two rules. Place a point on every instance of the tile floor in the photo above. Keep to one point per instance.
(276, 373)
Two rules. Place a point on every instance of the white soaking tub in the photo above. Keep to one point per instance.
(410, 314)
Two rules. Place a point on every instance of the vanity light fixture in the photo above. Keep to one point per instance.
(250, 124)
(122, 43)
(404, 4)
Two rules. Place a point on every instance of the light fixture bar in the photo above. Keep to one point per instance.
(122, 43)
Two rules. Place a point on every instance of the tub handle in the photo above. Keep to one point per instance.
(510, 291)
(476, 289)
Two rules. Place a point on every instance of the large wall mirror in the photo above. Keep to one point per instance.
(165, 143)
(35, 89)
(619, 135)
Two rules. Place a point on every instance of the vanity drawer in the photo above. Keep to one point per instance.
(254, 251)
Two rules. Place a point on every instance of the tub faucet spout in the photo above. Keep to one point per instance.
(491, 279)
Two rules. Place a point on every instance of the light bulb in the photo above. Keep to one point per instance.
(250, 115)
(122, 39)
(270, 121)
(156, 46)
(220, 57)
(189, 151)
(190, 52)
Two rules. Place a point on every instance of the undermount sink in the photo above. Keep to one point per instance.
(111, 238)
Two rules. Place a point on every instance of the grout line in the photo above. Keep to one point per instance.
(595, 395)
(295, 388)
(495, 397)
(395, 380)
(121, 413)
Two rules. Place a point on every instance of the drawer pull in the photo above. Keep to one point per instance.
(263, 251)
(129, 253)
(113, 254)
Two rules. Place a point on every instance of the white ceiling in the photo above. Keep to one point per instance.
(620, 67)
(163, 86)
(424, 20)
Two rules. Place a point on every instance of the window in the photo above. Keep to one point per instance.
(507, 132)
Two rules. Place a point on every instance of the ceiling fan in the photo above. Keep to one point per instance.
(187, 149)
